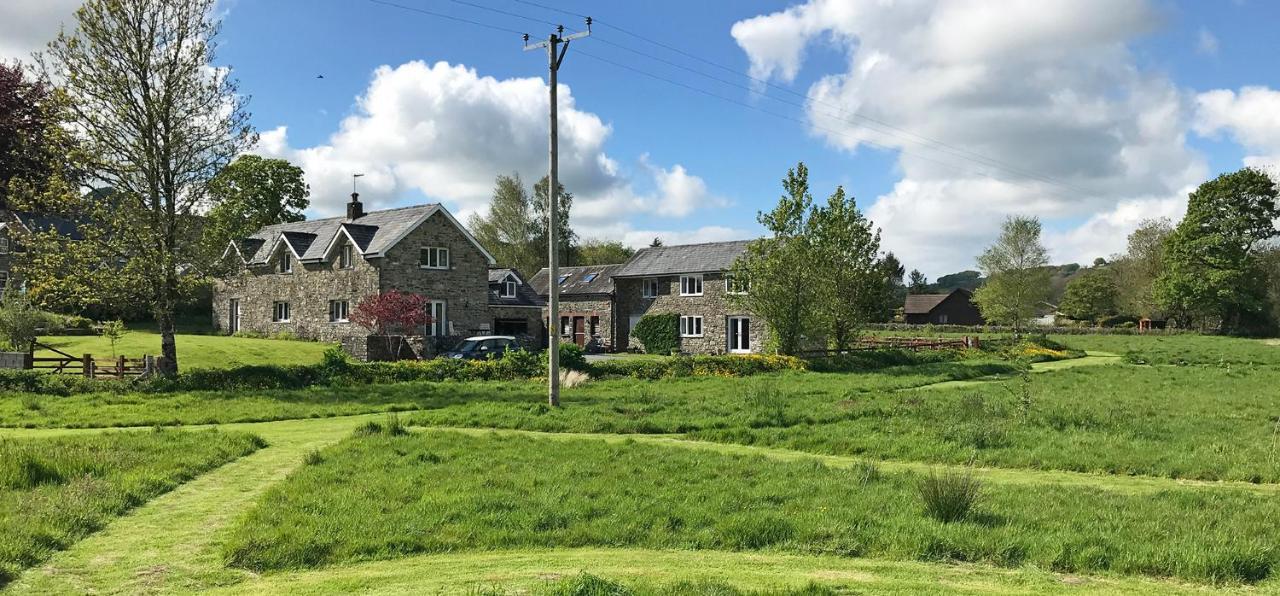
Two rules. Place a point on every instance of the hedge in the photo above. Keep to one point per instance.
(1033, 329)
(697, 366)
(660, 334)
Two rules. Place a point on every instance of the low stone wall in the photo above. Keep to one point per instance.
(15, 360)
(379, 348)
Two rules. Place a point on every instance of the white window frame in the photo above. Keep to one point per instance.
(690, 326)
(740, 291)
(285, 267)
(649, 287)
(439, 254)
(339, 311)
(439, 312)
(346, 256)
(280, 311)
(686, 283)
(507, 289)
(4, 245)
(4, 280)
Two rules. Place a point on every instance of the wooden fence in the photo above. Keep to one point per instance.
(91, 367)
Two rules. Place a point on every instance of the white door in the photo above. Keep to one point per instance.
(233, 315)
(739, 335)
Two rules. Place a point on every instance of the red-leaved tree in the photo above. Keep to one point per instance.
(392, 312)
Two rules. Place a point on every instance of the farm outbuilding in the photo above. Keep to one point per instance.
(953, 308)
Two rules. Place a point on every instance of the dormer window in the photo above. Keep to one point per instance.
(508, 288)
(286, 263)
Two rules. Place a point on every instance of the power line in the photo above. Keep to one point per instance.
(446, 16)
(509, 13)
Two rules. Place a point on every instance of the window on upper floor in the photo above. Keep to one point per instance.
(286, 263)
(433, 257)
(4, 245)
(508, 288)
(564, 278)
(649, 288)
(690, 285)
(345, 255)
(4, 280)
(733, 285)
(590, 277)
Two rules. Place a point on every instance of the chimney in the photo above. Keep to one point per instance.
(355, 209)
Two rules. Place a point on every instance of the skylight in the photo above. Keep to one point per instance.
(564, 277)
(590, 277)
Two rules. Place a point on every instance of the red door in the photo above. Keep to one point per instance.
(579, 332)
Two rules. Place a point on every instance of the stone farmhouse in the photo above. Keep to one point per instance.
(305, 278)
(688, 280)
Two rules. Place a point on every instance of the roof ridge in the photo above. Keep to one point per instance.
(343, 218)
(699, 244)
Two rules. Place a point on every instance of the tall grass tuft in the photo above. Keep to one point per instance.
(573, 378)
(950, 496)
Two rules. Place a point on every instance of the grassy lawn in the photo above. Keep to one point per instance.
(55, 491)
(194, 351)
(382, 496)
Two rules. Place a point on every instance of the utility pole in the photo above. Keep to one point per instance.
(556, 45)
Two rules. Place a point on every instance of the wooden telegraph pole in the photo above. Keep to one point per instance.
(556, 44)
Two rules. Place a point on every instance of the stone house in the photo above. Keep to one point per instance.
(691, 281)
(305, 278)
(516, 307)
(587, 310)
(952, 308)
(15, 226)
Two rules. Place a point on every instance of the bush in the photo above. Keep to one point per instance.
(950, 496)
(18, 323)
(866, 360)
(660, 334)
(697, 366)
(572, 357)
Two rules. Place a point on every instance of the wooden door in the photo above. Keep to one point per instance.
(580, 332)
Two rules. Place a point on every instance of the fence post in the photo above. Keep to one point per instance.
(120, 367)
(86, 364)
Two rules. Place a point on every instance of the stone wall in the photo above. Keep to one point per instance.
(464, 286)
(714, 306)
(308, 290)
(587, 306)
(533, 317)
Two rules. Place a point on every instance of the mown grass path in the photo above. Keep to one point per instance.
(1091, 358)
(172, 544)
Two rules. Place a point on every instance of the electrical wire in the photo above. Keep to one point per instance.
(446, 16)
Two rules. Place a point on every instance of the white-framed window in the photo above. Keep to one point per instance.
(344, 256)
(286, 263)
(732, 285)
(691, 285)
(649, 288)
(4, 245)
(508, 288)
(439, 325)
(690, 326)
(4, 281)
(339, 311)
(433, 257)
(279, 312)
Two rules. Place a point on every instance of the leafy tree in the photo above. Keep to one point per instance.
(1212, 273)
(1017, 274)
(784, 272)
(856, 282)
(514, 230)
(114, 331)
(1137, 270)
(159, 121)
(392, 313)
(566, 239)
(1090, 296)
(969, 280)
(601, 252)
(35, 147)
(892, 290)
(657, 242)
(18, 322)
(918, 284)
(250, 193)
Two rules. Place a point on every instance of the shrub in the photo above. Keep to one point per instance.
(660, 334)
(697, 366)
(950, 496)
(113, 331)
(572, 357)
(18, 323)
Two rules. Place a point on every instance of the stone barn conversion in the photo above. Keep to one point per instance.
(953, 308)
(305, 278)
(588, 313)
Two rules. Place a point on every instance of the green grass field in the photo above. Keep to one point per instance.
(194, 351)
(1151, 471)
(55, 491)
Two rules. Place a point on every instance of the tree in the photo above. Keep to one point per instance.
(1017, 274)
(35, 147)
(782, 270)
(514, 230)
(601, 252)
(857, 285)
(918, 284)
(566, 239)
(114, 331)
(1137, 270)
(1090, 296)
(1212, 274)
(968, 279)
(159, 120)
(892, 291)
(18, 323)
(250, 193)
(392, 313)
(657, 242)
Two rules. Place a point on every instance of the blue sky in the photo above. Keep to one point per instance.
(1091, 115)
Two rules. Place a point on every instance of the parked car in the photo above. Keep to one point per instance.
(481, 347)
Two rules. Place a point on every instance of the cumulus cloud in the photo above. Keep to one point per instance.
(1024, 107)
(1251, 117)
(26, 27)
(445, 131)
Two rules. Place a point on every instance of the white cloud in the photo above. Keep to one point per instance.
(1046, 93)
(446, 131)
(1251, 117)
(1206, 42)
(28, 26)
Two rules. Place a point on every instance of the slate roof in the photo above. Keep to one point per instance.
(36, 223)
(923, 304)
(525, 295)
(373, 233)
(684, 258)
(577, 282)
